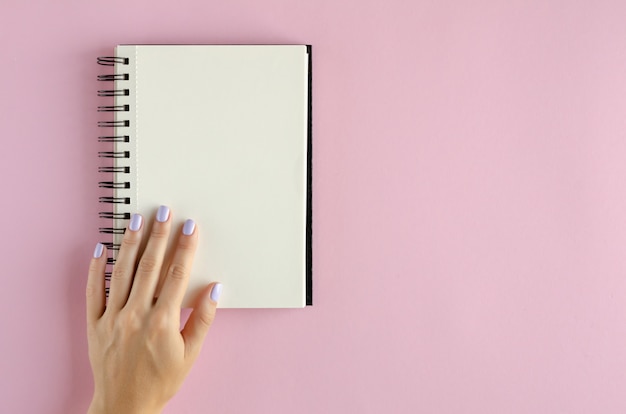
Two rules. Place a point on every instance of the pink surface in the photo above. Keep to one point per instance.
(469, 210)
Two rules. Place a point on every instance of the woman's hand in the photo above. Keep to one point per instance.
(138, 355)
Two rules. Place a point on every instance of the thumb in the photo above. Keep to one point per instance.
(201, 318)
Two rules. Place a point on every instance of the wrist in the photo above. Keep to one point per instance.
(98, 406)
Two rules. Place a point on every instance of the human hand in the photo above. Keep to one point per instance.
(138, 355)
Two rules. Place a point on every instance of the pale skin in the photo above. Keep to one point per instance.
(138, 354)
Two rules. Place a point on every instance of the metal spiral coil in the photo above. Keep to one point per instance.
(114, 108)
(118, 90)
(113, 184)
(111, 61)
(117, 76)
(112, 246)
(111, 215)
(115, 200)
(114, 124)
(114, 154)
(125, 170)
(111, 230)
(114, 92)
(114, 138)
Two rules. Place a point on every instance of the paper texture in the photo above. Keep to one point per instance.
(219, 134)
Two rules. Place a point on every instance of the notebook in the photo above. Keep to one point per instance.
(220, 134)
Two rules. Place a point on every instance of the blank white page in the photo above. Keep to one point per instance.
(219, 134)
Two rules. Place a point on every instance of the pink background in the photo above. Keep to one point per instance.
(469, 209)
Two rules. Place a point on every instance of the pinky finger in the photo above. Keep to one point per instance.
(95, 293)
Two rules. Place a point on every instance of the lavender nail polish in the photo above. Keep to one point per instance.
(135, 222)
(98, 251)
(189, 227)
(163, 213)
(216, 292)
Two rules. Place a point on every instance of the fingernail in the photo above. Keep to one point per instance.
(98, 251)
(135, 222)
(189, 227)
(216, 292)
(163, 213)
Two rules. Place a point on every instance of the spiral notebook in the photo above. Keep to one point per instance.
(220, 134)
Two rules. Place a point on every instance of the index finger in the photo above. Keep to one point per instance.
(95, 291)
(177, 276)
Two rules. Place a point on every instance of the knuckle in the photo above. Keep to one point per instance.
(118, 273)
(160, 321)
(148, 265)
(90, 291)
(130, 240)
(177, 272)
(108, 323)
(94, 267)
(159, 231)
(187, 243)
(128, 321)
(206, 318)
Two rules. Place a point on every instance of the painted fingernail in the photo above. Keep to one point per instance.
(163, 213)
(216, 292)
(135, 222)
(97, 253)
(189, 227)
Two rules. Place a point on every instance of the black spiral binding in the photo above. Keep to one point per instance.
(118, 90)
(111, 61)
